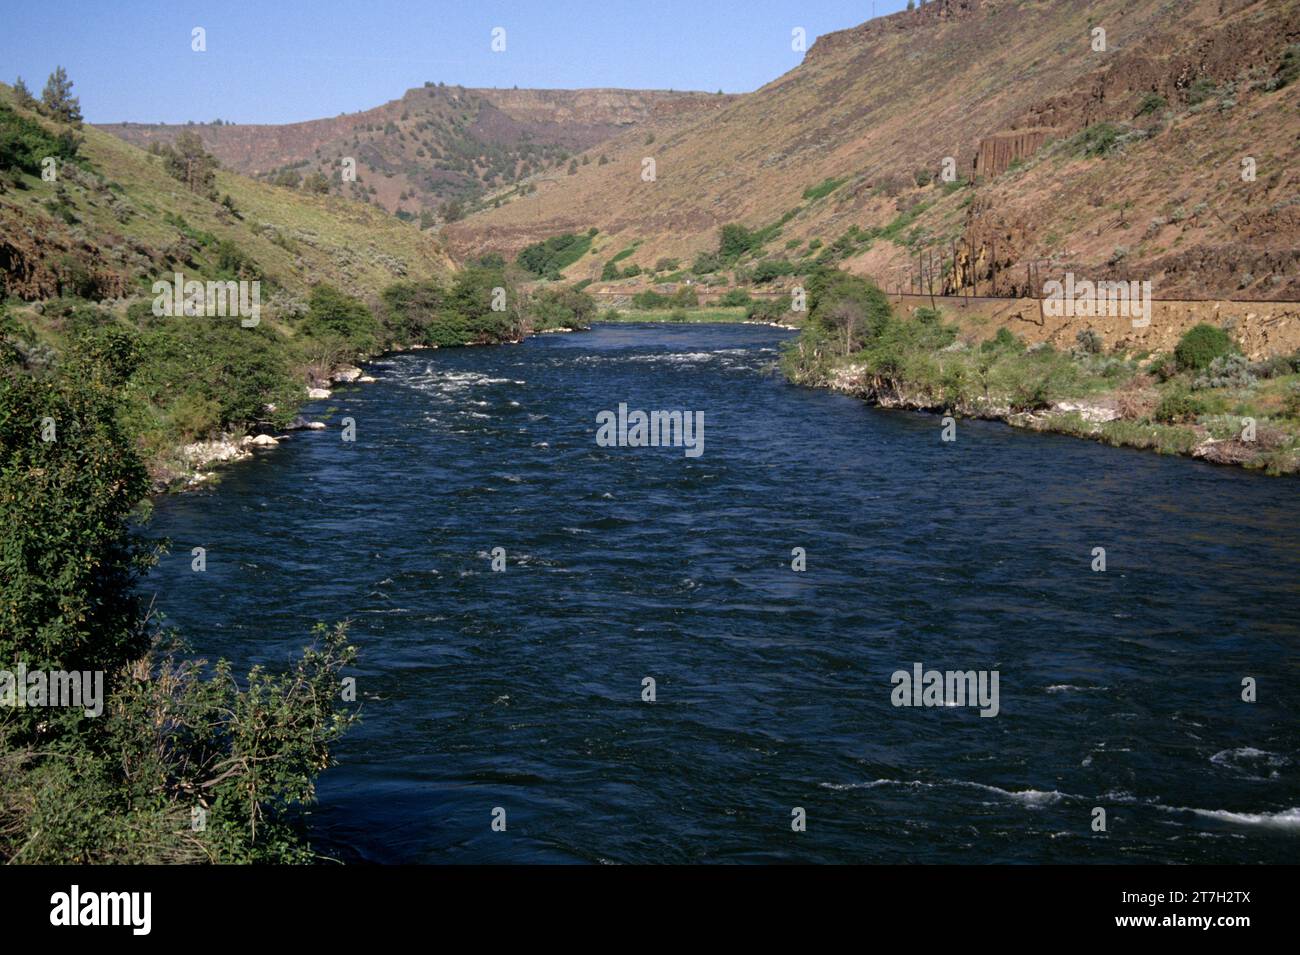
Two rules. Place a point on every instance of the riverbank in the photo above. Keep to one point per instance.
(1202, 398)
(1101, 418)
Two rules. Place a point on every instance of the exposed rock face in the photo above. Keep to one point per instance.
(1155, 194)
(45, 260)
(996, 153)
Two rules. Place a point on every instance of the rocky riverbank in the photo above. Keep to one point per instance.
(1115, 419)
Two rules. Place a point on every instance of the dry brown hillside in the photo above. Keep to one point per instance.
(436, 143)
(1123, 163)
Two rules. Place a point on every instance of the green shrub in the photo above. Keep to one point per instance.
(411, 308)
(68, 561)
(734, 297)
(766, 310)
(552, 256)
(769, 269)
(1004, 340)
(1151, 103)
(1178, 407)
(707, 263)
(650, 299)
(25, 142)
(190, 363)
(1200, 90)
(334, 315)
(1200, 345)
(1100, 139)
(734, 241)
(561, 308)
(849, 308)
(823, 188)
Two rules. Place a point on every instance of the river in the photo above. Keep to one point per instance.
(523, 689)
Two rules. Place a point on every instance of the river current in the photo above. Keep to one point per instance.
(774, 688)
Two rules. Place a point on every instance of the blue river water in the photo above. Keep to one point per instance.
(522, 689)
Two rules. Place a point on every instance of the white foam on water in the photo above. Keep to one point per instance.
(1030, 798)
(1071, 688)
(1284, 819)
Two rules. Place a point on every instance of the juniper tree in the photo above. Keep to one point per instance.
(58, 100)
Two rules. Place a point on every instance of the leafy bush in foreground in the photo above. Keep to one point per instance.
(170, 742)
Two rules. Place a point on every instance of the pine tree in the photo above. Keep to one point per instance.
(58, 100)
(23, 95)
(189, 162)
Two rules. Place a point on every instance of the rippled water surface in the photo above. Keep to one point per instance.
(522, 689)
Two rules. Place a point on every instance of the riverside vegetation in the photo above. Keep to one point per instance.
(1204, 399)
(198, 377)
(187, 762)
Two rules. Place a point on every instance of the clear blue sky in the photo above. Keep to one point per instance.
(277, 61)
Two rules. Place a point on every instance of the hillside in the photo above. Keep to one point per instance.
(116, 221)
(1122, 164)
(332, 281)
(436, 143)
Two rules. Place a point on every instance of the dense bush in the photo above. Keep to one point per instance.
(120, 787)
(333, 315)
(850, 308)
(215, 369)
(768, 269)
(1200, 345)
(411, 308)
(767, 310)
(823, 188)
(1291, 402)
(552, 256)
(24, 143)
(67, 561)
(1177, 407)
(1151, 103)
(707, 263)
(470, 307)
(1288, 69)
(564, 307)
(650, 299)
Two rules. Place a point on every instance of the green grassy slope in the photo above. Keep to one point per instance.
(115, 221)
